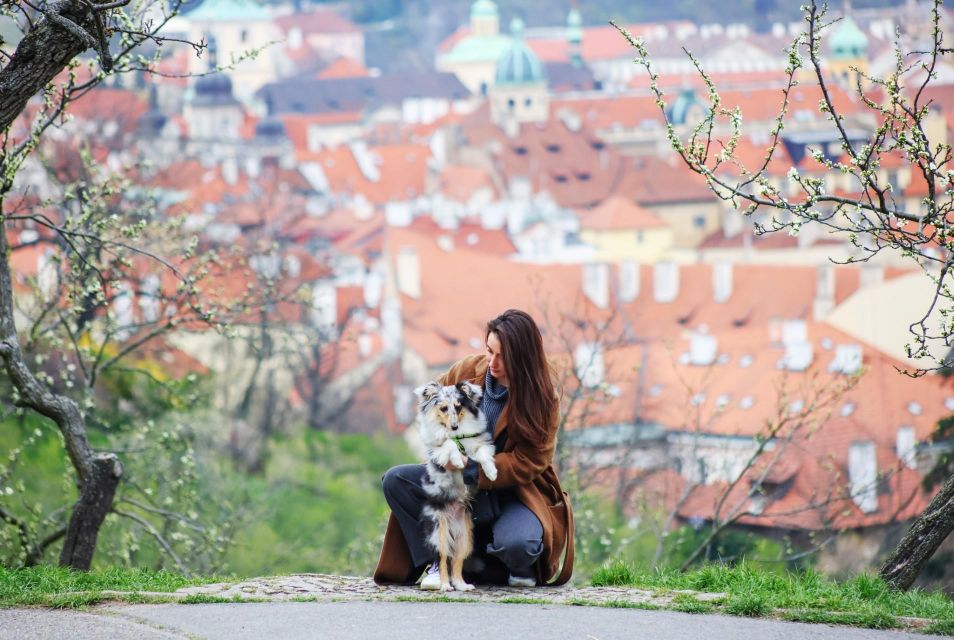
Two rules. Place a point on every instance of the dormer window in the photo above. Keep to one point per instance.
(520, 151)
(598, 145)
(560, 178)
(552, 148)
(583, 176)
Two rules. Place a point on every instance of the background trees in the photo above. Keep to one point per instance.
(81, 326)
(847, 192)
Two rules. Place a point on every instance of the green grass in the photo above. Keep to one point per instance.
(864, 601)
(687, 603)
(63, 588)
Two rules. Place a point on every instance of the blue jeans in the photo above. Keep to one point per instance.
(514, 539)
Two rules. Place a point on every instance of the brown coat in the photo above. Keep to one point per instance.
(527, 471)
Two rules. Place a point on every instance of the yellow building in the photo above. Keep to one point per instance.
(622, 231)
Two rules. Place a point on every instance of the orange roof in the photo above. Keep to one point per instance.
(470, 236)
(401, 171)
(617, 213)
(460, 182)
(296, 126)
(343, 68)
(763, 104)
(658, 181)
(613, 112)
(722, 80)
(574, 166)
(120, 105)
(317, 21)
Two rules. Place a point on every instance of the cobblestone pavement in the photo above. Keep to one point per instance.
(330, 588)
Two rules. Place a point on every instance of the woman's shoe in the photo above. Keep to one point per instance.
(432, 578)
(521, 581)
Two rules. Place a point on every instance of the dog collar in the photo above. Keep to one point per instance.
(460, 445)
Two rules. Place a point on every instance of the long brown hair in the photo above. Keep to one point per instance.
(533, 402)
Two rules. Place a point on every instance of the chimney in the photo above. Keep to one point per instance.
(703, 349)
(863, 475)
(230, 171)
(848, 359)
(47, 274)
(871, 275)
(722, 281)
(149, 298)
(324, 304)
(398, 214)
(409, 272)
(906, 446)
(373, 289)
(824, 291)
(596, 284)
(365, 345)
(665, 281)
(628, 274)
(588, 358)
(799, 352)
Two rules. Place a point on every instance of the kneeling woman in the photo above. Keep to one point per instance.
(523, 520)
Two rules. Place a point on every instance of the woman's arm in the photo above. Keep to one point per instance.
(519, 466)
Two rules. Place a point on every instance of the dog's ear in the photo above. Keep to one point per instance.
(471, 394)
(427, 395)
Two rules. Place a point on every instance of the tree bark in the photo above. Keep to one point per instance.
(917, 546)
(42, 54)
(97, 475)
(96, 500)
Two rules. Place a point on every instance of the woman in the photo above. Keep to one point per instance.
(523, 519)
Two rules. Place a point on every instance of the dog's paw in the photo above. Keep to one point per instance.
(460, 585)
(445, 587)
(490, 472)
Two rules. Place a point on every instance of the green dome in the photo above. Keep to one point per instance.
(518, 65)
(229, 11)
(848, 41)
(483, 8)
(679, 111)
(574, 25)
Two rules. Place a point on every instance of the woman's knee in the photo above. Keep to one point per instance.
(516, 550)
(396, 478)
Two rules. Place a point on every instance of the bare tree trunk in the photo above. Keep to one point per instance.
(917, 546)
(41, 55)
(97, 475)
(96, 500)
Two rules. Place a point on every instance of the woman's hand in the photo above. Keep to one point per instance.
(450, 465)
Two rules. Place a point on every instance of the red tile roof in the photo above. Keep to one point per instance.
(460, 182)
(617, 213)
(317, 20)
(343, 68)
(574, 166)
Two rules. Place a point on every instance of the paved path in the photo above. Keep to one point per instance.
(404, 621)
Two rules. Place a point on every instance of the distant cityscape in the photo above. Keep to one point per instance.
(530, 167)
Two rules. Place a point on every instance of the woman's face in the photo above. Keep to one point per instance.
(495, 359)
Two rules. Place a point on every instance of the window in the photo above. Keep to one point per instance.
(639, 236)
(527, 102)
(511, 104)
(699, 222)
(243, 35)
(483, 88)
(553, 148)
